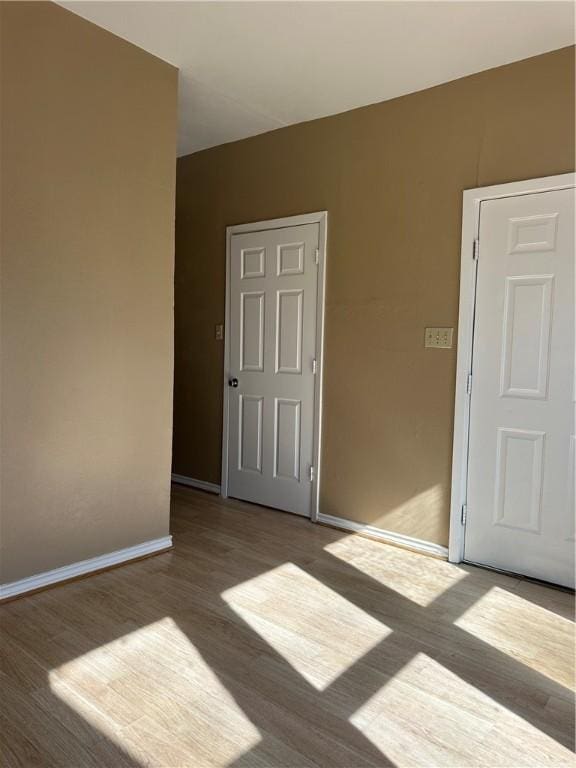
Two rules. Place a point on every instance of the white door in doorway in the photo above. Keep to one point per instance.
(520, 501)
(273, 294)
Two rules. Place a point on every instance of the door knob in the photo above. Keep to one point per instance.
(232, 382)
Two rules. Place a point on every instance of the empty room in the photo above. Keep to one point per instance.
(287, 375)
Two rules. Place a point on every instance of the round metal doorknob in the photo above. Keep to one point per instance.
(232, 382)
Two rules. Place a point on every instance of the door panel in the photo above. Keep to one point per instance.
(287, 439)
(250, 434)
(273, 295)
(527, 315)
(289, 305)
(252, 306)
(521, 459)
(519, 454)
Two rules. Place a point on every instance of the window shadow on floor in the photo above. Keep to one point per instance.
(216, 550)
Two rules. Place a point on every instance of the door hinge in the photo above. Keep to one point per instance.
(476, 249)
(314, 366)
(469, 384)
(464, 514)
(311, 474)
(317, 255)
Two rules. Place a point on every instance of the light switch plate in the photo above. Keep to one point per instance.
(440, 338)
(219, 332)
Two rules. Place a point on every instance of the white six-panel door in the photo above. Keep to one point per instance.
(520, 500)
(272, 350)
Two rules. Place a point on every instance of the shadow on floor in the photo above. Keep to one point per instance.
(218, 546)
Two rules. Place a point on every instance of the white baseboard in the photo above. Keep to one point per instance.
(201, 484)
(418, 545)
(67, 572)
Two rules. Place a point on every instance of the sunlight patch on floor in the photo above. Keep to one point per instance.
(316, 630)
(426, 715)
(506, 621)
(150, 691)
(418, 578)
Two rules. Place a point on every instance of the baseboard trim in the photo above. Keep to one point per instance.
(201, 484)
(83, 567)
(390, 537)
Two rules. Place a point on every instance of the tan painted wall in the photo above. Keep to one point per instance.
(391, 176)
(88, 179)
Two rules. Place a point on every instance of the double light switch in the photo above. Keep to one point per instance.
(441, 338)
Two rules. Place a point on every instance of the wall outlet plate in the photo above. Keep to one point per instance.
(219, 332)
(439, 338)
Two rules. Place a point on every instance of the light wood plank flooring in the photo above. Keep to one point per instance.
(263, 641)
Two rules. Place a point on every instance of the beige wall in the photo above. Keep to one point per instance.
(88, 176)
(391, 177)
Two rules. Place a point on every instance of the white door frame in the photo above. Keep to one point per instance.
(320, 218)
(472, 199)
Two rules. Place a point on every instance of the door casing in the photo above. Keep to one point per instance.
(320, 218)
(472, 199)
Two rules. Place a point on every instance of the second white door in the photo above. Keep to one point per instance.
(521, 456)
(273, 285)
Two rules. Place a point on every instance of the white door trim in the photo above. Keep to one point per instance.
(320, 218)
(472, 199)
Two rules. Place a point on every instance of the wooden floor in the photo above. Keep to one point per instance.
(262, 641)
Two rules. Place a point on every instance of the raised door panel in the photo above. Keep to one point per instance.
(287, 438)
(526, 336)
(252, 263)
(250, 433)
(518, 496)
(289, 321)
(290, 259)
(252, 308)
(530, 234)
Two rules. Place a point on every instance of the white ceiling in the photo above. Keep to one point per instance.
(246, 68)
